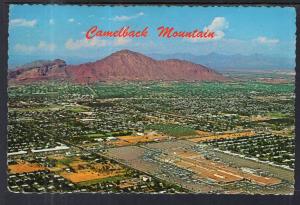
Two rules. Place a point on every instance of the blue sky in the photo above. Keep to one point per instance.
(55, 31)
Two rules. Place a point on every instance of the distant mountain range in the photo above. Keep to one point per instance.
(233, 62)
(124, 65)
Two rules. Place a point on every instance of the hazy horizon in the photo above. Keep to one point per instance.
(157, 56)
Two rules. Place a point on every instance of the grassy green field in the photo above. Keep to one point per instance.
(172, 129)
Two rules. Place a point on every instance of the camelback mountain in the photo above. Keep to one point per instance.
(124, 65)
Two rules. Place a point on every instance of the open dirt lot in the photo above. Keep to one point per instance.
(84, 176)
(80, 170)
(223, 136)
(132, 140)
(25, 167)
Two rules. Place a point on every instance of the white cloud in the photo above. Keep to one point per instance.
(72, 20)
(51, 21)
(94, 43)
(121, 41)
(218, 25)
(23, 22)
(126, 18)
(42, 46)
(84, 43)
(266, 41)
(24, 48)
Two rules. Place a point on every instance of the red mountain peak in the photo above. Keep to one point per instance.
(123, 65)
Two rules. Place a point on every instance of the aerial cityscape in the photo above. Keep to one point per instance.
(134, 121)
